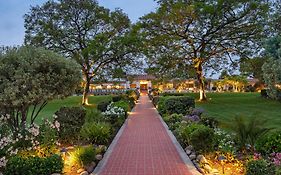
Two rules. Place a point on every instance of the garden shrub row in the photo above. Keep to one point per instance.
(175, 104)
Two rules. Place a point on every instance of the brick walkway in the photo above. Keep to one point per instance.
(144, 148)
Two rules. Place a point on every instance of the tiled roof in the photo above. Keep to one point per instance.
(143, 77)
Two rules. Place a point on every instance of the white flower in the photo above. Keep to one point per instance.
(3, 161)
(34, 130)
(57, 125)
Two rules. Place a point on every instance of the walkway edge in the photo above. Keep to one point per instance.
(179, 148)
(108, 152)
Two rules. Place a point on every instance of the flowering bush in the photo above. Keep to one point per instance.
(173, 121)
(192, 118)
(114, 111)
(27, 141)
(114, 115)
(224, 141)
(276, 158)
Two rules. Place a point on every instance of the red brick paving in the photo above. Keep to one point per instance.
(144, 147)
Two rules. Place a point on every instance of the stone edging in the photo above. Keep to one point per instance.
(107, 154)
(191, 167)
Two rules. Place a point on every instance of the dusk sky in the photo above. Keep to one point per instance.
(12, 11)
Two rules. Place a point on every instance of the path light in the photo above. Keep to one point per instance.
(63, 152)
(222, 160)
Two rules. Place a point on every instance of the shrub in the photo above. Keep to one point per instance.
(178, 105)
(199, 136)
(71, 120)
(155, 100)
(270, 143)
(117, 98)
(209, 121)
(202, 139)
(131, 101)
(278, 171)
(18, 165)
(114, 115)
(83, 156)
(247, 133)
(134, 94)
(165, 94)
(97, 133)
(224, 141)
(102, 106)
(123, 104)
(264, 93)
(94, 115)
(259, 167)
(173, 120)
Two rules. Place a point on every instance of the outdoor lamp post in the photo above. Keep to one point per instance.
(222, 160)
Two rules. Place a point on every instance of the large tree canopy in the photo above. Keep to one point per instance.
(97, 38)
(272, 68)
(29, 78)
(203, 34)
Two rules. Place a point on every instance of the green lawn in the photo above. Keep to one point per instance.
(224, 106)
(55, 105)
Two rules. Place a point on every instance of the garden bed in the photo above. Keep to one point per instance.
(240, 147)
(73, 143)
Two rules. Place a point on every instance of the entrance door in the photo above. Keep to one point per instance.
(143, 88)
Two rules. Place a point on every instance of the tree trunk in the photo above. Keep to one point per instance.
(200, 78)
(23, 117)
(86, 91)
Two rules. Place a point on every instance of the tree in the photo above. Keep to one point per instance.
(253, 67)
(98, 39)
(202, 34)
(272, 68)
(30, 77)
(237, 82)
(223, 74)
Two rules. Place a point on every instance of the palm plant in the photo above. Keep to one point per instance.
(247, 133)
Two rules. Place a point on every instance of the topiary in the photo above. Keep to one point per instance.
(71, 120)
(259, 167)
(175, 104)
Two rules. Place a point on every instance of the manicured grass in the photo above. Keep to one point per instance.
(55, 105)
(225, 106)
